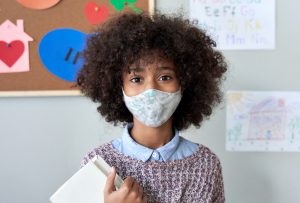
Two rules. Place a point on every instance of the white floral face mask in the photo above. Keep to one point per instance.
(153, 107)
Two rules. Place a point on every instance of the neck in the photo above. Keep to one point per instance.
(152, 137)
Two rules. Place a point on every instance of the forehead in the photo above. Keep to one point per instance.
(152, 63)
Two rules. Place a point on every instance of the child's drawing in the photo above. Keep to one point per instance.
(263, 121)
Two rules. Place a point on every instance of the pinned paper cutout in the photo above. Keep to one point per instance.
(94, 13)
(38, 4)
(11, 52)
(14, 49)
(120, 5)
(60, 51)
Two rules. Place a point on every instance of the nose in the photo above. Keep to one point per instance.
(151, 84)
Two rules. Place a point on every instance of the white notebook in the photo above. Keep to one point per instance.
(86, 185)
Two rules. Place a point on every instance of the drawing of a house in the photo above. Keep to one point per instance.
(14, 49)
(268, 120)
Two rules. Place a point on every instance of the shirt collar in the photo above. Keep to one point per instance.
(134, 149)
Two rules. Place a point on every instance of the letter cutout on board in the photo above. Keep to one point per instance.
(14, 49)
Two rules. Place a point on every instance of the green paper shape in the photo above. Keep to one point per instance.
(120, 5)
(134, 8)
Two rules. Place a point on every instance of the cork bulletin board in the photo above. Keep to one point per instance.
(41, 41)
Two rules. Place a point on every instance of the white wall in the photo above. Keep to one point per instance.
(42, 140)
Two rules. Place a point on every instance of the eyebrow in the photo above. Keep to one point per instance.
(136, 69)
(142, 69)
(166, 68)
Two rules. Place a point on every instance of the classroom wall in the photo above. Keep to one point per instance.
(42, 140)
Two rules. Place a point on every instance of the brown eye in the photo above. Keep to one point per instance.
(135, 80)
(165, 77)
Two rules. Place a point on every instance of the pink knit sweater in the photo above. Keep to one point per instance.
(196, 178)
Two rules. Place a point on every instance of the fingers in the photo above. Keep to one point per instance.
(128, 183)
(143, 196)
(136, 192)
(110, 186)
(130, 190)
(144, 200)
(141, 190)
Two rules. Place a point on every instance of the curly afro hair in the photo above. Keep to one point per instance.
(127, 38)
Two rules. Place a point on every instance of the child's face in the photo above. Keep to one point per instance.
(160, 75)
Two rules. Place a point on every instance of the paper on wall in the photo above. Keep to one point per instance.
(263, 121)
(236, 24)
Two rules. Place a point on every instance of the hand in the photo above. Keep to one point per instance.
(129, 192)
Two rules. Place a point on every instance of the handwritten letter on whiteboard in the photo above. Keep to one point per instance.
(236, 24)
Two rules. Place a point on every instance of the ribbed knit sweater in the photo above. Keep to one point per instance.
(194, 179)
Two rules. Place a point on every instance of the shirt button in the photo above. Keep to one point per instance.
(154, 154)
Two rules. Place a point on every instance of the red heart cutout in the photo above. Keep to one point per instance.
(94, 13)
(11, 52)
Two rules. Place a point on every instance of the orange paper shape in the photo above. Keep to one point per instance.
(38, 4)
(14, 49)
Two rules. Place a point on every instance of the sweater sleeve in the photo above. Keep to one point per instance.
(88, 157)
(218, 186)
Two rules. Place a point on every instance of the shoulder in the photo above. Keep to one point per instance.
(203, 152)
(91, 155)
(208, 158)
(185, 148)
(187, 144)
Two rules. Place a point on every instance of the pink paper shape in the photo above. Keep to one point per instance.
(14, 57)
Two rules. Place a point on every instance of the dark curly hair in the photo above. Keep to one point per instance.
(127, 38)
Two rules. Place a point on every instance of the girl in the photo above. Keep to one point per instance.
(157, 75)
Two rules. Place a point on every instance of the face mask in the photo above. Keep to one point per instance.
(153, 107)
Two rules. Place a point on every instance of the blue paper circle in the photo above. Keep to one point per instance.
(61, 52)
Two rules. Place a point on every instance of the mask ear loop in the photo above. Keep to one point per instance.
(181, 89)
(123, 93)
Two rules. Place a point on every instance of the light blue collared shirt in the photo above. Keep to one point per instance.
(177, 148)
